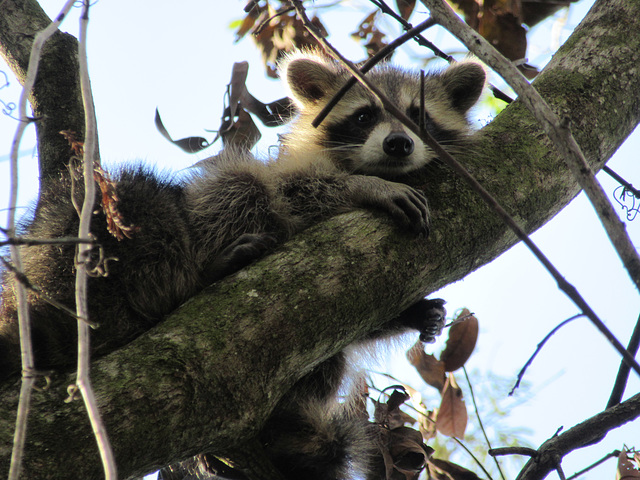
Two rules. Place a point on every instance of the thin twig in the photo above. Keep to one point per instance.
(623, 371)
(557, 129)
(498, 452)
(538, 348)
(26, 349)
(622, 181)
(31, 242)
(452, 163)
(484, 433)
(613, 454)
(84, 253)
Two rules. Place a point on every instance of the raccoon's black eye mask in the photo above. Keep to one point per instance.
(365, 117)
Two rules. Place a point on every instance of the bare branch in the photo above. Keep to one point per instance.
(623, 371)
(538, 348)
(84, 257)
(31, 242)
(497, 452)
(609, 455)
(480, 423)
(21, 294)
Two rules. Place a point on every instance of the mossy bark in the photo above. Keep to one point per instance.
(206, 378)
(55, 100)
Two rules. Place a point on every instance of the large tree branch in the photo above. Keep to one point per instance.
(208, 376)
(55, 99)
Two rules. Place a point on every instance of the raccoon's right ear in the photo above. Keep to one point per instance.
(310, 80)
(464, 82)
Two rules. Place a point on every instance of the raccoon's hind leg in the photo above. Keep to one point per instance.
(243, 251)
(236, 214)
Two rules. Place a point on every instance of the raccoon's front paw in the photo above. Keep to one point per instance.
(406, 205)
(409, 207)
(426, 316)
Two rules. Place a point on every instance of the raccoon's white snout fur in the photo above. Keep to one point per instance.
(391, 150)
(358, 135)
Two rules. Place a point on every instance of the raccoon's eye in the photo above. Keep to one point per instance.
(364, 117)
(414, 114)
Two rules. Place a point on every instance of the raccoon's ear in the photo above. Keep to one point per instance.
(310, 80)
(464, 83)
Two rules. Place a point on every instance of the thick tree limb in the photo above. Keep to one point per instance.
(207, 377)
(55, 99)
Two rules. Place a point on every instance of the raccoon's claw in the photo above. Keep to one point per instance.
(414, 206)
(426, 316)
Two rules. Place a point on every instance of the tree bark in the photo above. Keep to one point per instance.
(55, 100)
(207, 377)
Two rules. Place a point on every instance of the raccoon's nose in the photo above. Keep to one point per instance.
(398, 144)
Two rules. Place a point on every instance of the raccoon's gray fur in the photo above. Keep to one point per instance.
(189, 234)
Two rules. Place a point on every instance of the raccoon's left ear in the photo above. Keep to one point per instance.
(310, 79)
(464, 83)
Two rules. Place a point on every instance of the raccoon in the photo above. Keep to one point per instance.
(188, 234)
(355, 158)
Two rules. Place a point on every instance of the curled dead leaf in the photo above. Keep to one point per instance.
(389, 413)
(115, 221)
(369, 34)
(405, 7)
(429, 367)
(461, 342)
(409, 453)
(452, 415)
(402, 454)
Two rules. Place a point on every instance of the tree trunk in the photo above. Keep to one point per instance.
(206, 378)
(55, 99)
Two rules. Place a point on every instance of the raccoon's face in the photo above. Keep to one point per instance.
(359, 135)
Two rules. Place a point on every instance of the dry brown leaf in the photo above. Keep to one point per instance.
(452, 415)
(534, 11)
(281, 34)
(250, 20)
(427, 425)
(389, 413)
(626, 469)
(500, 22)
(429, 367)
(115, 221)
(461, 342)
(405, 7)
(369, 34)
(409, 453)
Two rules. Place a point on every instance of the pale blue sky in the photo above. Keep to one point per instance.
(178, 57)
